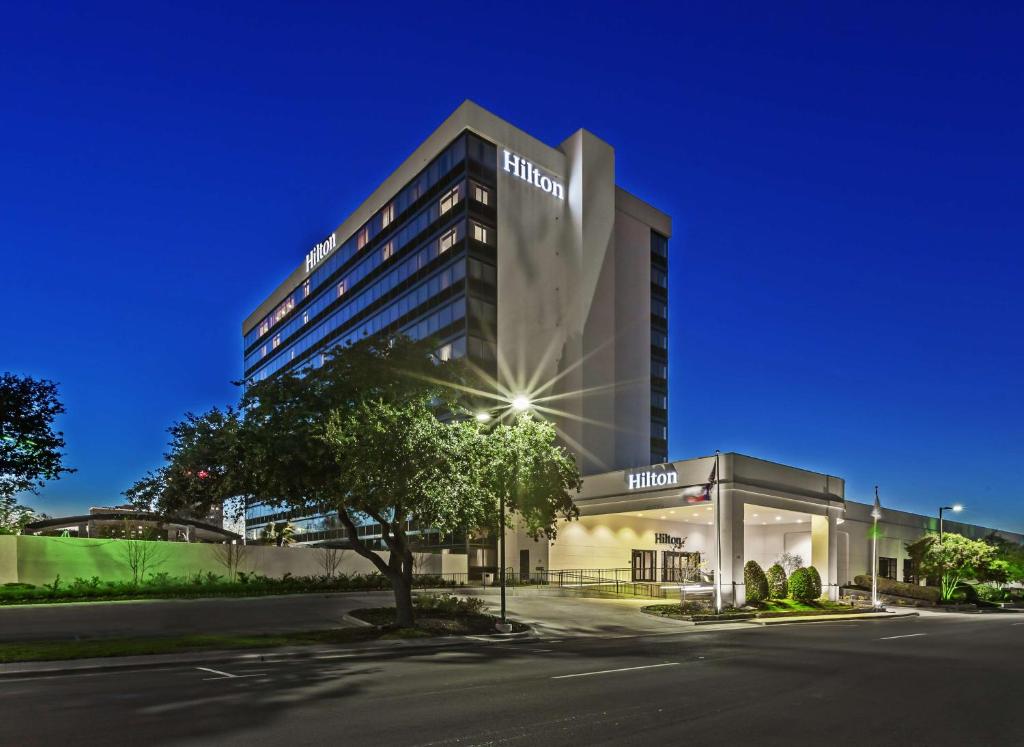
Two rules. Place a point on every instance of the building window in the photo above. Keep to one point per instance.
(264, 327)
(660, 400)
(909, 571)
(275, 342)
(659, 430)
(362, 237)
(448, 239)
(263, 352)
(659, 245)
(386, 251)
(659, 308)
(480, 233)
(305, 289)
(449, 199)
(887, 568)
(342, 287)
(305, 317)
(387, 215)
(481, 195)
(659, 277)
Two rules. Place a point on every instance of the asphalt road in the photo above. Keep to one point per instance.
(940, 679)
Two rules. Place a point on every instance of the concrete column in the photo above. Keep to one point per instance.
(731, 522)
(824, 554)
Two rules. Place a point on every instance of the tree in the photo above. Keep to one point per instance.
(14, 516)
(30, 449)
(815, 577)
(801, 588)
(790, 562)
(375, 434)
(955, 559)
(231, 556)
(1007, 565)
(141, 555)
(778, 587)
(331, 559)
(755, 582)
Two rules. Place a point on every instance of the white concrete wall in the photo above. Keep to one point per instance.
(765, 543)
(607, 541)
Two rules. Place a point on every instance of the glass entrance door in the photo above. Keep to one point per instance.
(679, 566)
(644, 565)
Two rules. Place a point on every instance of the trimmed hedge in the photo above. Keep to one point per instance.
(815, 581)
(777, 586)
(801, 587)
(755, 581)
(900, 589)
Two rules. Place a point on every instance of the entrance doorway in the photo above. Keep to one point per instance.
(644, 562)
(524, 565)
(679, 566)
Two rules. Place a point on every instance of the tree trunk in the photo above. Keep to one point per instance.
(404, 617)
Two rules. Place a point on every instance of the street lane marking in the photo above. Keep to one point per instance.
(908, 635)
(612, 671)
(1016, 624)
(226, 675)
(217, 671)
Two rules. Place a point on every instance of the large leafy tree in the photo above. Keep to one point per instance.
(30, 448)
(955, 559)
(1007, 565)
(375, 434)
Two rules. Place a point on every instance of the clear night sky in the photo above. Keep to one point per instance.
(845, 183)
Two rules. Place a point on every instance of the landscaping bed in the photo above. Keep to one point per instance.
(772, 608)
(198, 586)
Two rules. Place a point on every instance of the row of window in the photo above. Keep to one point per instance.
(659, 277)
(395, 277)
(659, 245)
(659, 429)
(659, 399)
(659, 308)
(478, 150)
(413, 227)
(659, 339)
(381, 320)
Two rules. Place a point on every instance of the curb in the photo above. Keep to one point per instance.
(808, 619)
(225, 656)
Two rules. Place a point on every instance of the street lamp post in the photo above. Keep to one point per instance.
(956, 509)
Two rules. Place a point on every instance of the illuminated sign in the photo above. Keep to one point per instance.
(520, 167)
(319, 251)
(660, 538)
(657, 477)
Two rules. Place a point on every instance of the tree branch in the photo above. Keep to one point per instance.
(357, 544)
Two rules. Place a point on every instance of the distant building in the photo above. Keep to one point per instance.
(127, 522)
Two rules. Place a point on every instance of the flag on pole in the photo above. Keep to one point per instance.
(876, 512)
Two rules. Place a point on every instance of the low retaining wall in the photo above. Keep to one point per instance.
(39, 560)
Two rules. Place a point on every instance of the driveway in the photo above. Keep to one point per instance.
(552, 615)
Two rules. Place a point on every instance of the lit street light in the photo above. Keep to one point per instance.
(955, 509)
(521, 403)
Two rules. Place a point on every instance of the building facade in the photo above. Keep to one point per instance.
(526, 259)
(660, 523)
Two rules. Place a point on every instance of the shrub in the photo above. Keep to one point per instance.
(990, 593)
(777, 586)
(756, 582)
(900, 589)
(801, 588)
(447, 604)
(815, 581)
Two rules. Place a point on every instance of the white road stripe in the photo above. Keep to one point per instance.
(612, 671)
(222, 674)
(908, 635)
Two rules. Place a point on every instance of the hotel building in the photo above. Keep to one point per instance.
(526, 259)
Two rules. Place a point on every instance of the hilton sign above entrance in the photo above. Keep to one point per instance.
(651, 478)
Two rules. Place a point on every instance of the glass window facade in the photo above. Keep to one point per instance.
(423, 265)
(659, 348)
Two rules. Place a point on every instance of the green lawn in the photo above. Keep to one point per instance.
(427, 625)
(791, 605)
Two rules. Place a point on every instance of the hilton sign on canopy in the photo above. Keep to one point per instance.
(520, 167)
(659, 477)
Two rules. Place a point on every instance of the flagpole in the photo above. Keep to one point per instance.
(718, 534)
(876, 514)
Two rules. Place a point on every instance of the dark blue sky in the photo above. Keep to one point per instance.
(845, 181)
